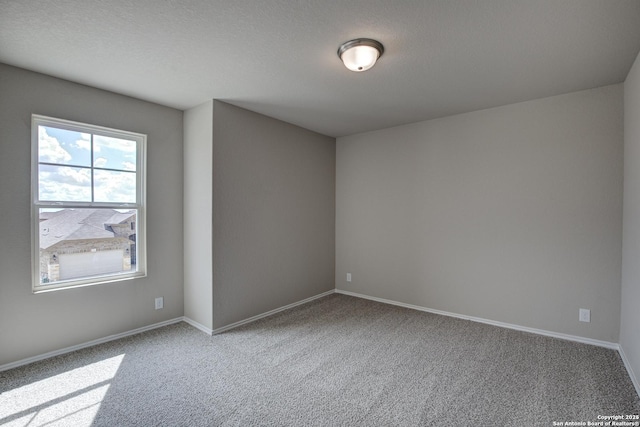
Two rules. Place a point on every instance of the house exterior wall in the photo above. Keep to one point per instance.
(50, 257)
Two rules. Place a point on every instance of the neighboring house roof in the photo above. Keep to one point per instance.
(120, 217)
(79, 224)
(48, 215)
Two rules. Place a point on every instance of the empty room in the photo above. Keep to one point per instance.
(320, 213)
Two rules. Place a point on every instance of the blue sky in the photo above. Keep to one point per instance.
(70, 178)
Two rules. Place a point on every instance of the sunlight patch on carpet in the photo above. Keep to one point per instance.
(70, 398)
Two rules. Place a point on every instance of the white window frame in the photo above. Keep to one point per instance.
(37, 204)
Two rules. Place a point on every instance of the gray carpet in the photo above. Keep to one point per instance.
(337, 361)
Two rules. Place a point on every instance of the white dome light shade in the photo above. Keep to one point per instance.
(360, 58)
(360, 54)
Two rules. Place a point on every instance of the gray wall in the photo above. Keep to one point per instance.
(630, 319)
(512, 214)
(273, 214)
(34, 324)
(198, 214)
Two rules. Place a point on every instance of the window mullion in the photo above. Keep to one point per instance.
(92, 171)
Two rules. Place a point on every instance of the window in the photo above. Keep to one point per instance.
(88, 204)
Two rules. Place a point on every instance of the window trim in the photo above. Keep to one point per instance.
(36, 204)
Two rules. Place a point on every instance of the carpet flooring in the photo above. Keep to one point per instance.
(336, 361)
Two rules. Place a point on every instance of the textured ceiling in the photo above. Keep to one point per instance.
(278, 57)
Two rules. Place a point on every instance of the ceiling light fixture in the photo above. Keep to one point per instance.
(360, 54)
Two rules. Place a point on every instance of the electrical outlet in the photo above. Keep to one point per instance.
(348, 277)
(584, 315)
(159, 303)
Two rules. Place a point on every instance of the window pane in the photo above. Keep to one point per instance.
(82, 243)
(115, 187)
(64, 183)
(114, 153)
(63, 146)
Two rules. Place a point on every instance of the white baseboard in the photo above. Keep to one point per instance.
(198, 325)
(209, 331)
(87, 344)
(269, 313)
(576, 338)
(632, 374)
(191, 322)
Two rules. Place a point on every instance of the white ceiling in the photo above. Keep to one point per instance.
(278, 57)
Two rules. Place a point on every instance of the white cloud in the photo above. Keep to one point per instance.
(83, 144)
(64, 183)
(115, 143)
(115, 186)
(73, 176)
(128, 166)
(69, 183)
(49, 148)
